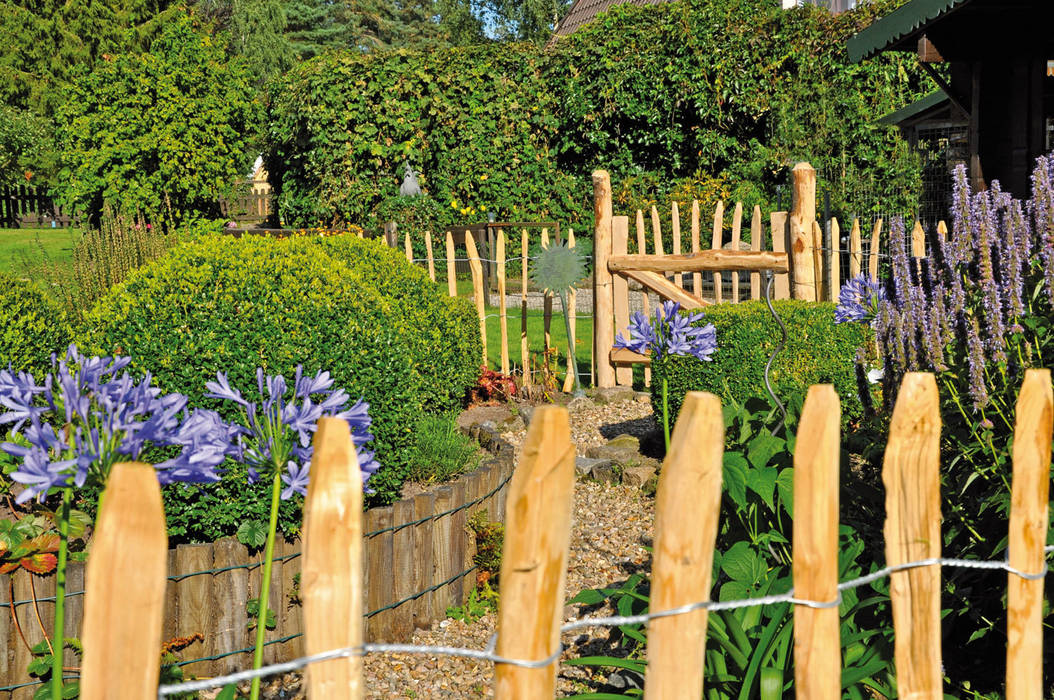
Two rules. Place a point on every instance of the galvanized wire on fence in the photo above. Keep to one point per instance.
(488, 654)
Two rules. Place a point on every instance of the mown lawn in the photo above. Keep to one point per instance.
(23, 249)
(536, 337)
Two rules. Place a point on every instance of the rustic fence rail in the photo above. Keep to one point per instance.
(417, 562)
(687, 513)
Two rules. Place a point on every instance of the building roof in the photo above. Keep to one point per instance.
(583, 12)
(961, 29)
(901, 24)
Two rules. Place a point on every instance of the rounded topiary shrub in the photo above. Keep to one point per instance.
(818, 351)
(232, 305)
(443, 331)
(32, 326)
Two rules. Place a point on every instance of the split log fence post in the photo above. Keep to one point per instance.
(697, 278)
(756, 236)
(571, 311)
(478, 290)
(802, 217)
(737, 226)
(603, 332)
(408, 248)
(451, 272)
(715, 244)
(875, 248)
(534, 560)
(502, 311)
(675, 229)
(834, 262)
(642, 249)
(547, 308)
(856, 255)
(430, 257)
(620, 290)
(525, 351)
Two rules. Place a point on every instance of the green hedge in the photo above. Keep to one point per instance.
(818, 351)
(442, 330)
(236, 304)
(32, 326)
(709, 98)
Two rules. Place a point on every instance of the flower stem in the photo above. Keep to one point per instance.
(58, 642)
(666, 412)
(265, 585)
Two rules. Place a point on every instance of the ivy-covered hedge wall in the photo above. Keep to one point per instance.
(704, 98)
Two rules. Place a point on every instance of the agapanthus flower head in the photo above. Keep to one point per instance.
(671, 333)
(90, 413)
(859, 300)
(280, 421)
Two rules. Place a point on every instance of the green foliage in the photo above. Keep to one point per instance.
(442, 332)
(40, 667)
(818, 351)
(748, 650)
(441, 451)
(32, 326)
(166, 129)
(679, 99)
(252, 612)
(25, 147)
(252, 533)
(483, 600)
(232, 305)
(490, 539)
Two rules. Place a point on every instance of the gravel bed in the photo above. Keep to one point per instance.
(611, 526)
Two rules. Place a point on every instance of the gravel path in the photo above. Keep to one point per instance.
(611, 527)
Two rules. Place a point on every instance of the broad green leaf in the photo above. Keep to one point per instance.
(762, 481)
(252, 533)
(734, 476)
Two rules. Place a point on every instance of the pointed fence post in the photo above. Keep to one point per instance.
(689, 493)
(911, 474)
(1029, 497)
(756, 244)
(534, 561)
(715, 244)
(451, 269)
(834, 264)
(408, 248)
(737, 232)
(525, 351)
(872, 261)
(478, 290)
(817, 650)
(571, 310)
(430, 256)
(502, 305)
(675, 246)
(697, 277)
(642, 249)
(620, 289)
(856, 255)
(331, 582)
(125, 589)
(802, 217)
(603, 303)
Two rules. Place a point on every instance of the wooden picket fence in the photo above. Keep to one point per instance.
(482, 268)
(126, 571)
(809, 261)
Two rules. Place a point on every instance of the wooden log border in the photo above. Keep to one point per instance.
(419, 597)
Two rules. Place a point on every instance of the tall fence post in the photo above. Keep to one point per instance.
(802, 216)
(834, 262)
(689, 492)
(534, 562)
(478, 290)
(911, 474)
(502, 305)
(451, 270)
(620, 290)
(875, 248)
(756, 243)
(603, 331)
(571, 311)
(780, 243)
(1029, 500)
(332, 569)
(125, 589)
(817, 650)
(525, 351)
(715, 244)
(429, 256)
(856, 256)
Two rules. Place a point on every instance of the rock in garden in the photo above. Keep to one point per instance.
(615, 394)
(624, 450)
(584, 465)
(637, 477)
(605, 473)
(579, 403)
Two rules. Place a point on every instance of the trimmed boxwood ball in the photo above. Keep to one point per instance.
(818, 351)
(236, 304)
(442, 330)
(32, 326)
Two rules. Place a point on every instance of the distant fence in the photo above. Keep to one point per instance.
(417, 562)
(26, 206)
(528, 646)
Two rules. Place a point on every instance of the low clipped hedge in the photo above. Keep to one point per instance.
(32, 326)
(818, 351)
(236, 304)
(443, 330)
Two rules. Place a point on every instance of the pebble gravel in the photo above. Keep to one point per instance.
(611, 528)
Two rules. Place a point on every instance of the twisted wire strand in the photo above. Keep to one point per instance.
(488, 653)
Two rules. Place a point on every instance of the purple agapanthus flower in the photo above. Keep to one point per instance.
(90, 413)
(280, 422)
(858, 301)
(672, 333)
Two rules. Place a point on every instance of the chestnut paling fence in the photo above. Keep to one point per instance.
(809, 261)
(125, 577)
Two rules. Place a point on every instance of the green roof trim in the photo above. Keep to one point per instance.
(898, 24)
(930, 101)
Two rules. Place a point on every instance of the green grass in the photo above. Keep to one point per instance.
(23, 248)
(536, 337)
